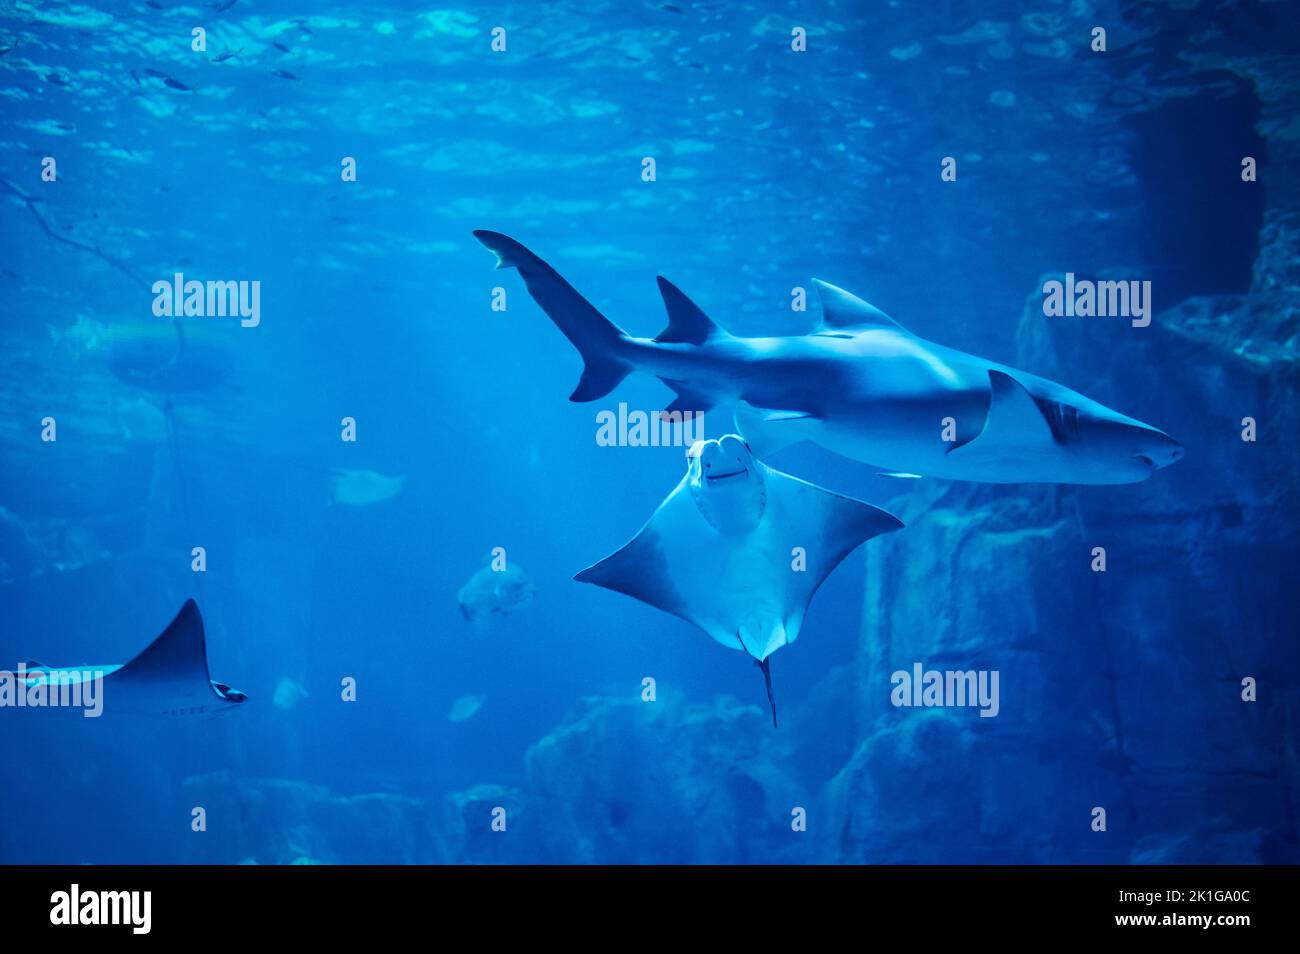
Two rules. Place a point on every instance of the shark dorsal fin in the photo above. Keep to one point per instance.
(687, 323)
(1014, 419)
(843, 310)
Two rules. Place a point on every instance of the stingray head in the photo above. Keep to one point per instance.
(727, 484)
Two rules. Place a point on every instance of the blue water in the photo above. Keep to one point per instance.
(773, 167)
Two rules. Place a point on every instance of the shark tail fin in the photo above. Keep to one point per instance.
(594, 335)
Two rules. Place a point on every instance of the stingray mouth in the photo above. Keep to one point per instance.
(714, 478)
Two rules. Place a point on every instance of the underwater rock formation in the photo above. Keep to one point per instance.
(285, 821)
(1120, 689)
(624, 781)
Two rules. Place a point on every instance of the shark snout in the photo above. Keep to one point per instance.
(1159, 450)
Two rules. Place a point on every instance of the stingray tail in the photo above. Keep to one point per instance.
(595, 336)
(766, 666)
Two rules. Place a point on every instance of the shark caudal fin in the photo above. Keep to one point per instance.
(594, 335)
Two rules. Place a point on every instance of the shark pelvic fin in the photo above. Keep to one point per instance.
(687, 323)
(841, 310)
(688, 400)
(1014, 421)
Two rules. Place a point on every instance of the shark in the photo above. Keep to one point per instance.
(168, 677)
(739, 549)
(860, 385)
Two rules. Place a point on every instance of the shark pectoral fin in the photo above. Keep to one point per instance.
(1014, 421)
(843, 310)
(767, 432)
(687, 323)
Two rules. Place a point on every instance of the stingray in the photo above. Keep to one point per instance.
(739, 549)
(168, 677)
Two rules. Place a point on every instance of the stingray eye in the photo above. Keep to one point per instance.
(695, 450)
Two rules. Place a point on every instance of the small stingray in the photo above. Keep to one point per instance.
(724, 549)
(466, 707)
(168, 677)
(491, 591)
(360, 487)
(288, 693)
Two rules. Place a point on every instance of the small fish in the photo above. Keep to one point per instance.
(177, 84)
(136, 76)
(283, 74)
(357, 488)
(280, 46)
(222, 8)
(495, 592)
(466, 707)
(57, 80)
(288, 693)
(155, 74)
(227, 55)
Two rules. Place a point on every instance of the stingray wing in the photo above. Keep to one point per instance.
(641, 569)
(827, 527)
(170, 674)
